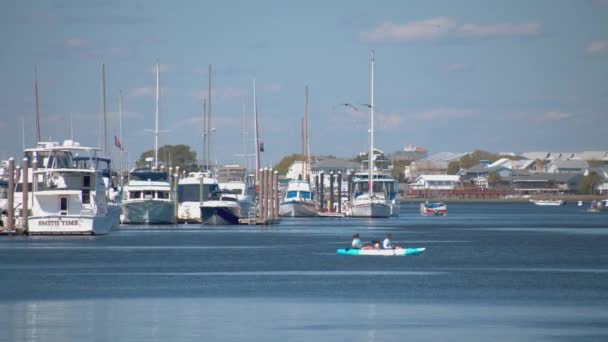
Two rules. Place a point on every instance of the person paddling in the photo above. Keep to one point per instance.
(386, 244)
(356, 244)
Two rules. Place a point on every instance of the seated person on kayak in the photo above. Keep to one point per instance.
(356, 244)
(374, 244)
(386, 244)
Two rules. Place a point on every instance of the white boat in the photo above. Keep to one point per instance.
(433, 209)
(367, 200)
(192, 191)
(548, 202)
(220, 210)
(385, 191)
(233, 181)
(298, 201)
(70, 198)
(147, 198)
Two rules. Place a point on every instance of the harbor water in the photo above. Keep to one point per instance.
(491, 271)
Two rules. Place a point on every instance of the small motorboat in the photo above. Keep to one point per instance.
(433, 209)
(548, 202)
(381, 252)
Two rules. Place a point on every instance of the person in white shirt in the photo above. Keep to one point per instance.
(386, 244)
(356, 244)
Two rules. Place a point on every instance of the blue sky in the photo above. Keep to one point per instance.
(503, 76)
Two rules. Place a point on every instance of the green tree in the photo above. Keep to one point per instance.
(283, 166)
(589, 183)
(494, 179)
(453, 167)
(172, 155)
(398, 170)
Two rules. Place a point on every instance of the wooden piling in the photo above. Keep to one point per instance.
(25, 187)
(267, 192)
(262, 196)
(339, 192)
(321, 188)
(275, 182)
(271, 194)
(11, 195)
(331, 192)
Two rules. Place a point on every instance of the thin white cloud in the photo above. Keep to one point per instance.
(218, 121)
(75, 42)
(445, 113)
(556, 116)
(143, 91)
(429, 29)
(498, 30)
(224, 94)
(119, 52)
(597, 47)
(445, 28)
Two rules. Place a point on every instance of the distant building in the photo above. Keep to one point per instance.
(436, 182)
(294, 170)
(436, 164)
(567, 166)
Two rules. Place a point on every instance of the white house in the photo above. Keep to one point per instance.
(295, 170)
(436, 182)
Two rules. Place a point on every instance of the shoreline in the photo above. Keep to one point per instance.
(566, 198)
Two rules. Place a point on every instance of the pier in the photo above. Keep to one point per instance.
(267, 195)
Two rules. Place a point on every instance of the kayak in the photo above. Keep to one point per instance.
(384, 252)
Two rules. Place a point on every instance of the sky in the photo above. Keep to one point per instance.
(455, 76)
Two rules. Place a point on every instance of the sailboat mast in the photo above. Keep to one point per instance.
(204, 134)
(371, 132)
(244, 136)
(209, 129)
(120, 134)
(105, 127)
(257, 135)
(307, 140)
(306, 166)
(37, 104)
(157, 109)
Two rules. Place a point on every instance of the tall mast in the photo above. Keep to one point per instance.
(204, 133)
(209, 129)
(371, 132)
(303, 152)
(157, 109)
(306, 142)
(105, 128)
(244, 136)
(257, 134)
(37, 105)
(120, 133)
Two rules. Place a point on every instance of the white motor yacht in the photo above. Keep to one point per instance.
(298, 201)
(147, 198)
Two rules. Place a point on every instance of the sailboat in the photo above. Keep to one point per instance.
(147, 197)
(370, 201)
(299, 199)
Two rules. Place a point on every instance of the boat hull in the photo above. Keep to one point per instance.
(371, 210)
(71, 225)
(189, 212)
(381, 252)
(433, 210)
(297, 209)
(148, 212)
(548, 203)
(220, 215)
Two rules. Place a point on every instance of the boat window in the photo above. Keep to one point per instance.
(63, 205)
(135, 195)
(292, 194)
(306, 194)
(148, 194)
(162, 194)
(86, 196)
(86, 181)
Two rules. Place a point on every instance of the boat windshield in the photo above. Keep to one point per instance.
(292, 194)
(144, 175)
(306, 194)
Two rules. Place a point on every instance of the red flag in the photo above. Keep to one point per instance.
(117, 143)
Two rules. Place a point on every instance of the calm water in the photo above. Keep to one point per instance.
(506, 272)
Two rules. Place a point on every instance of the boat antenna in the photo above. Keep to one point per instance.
(244, 136)
(257, 133)
(204, 133)
(371, 132)
(120, 133)
(37, 105)
(157, 110)
(105, 128)
(209, 121)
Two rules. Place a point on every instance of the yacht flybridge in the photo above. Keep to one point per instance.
(69, 197)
